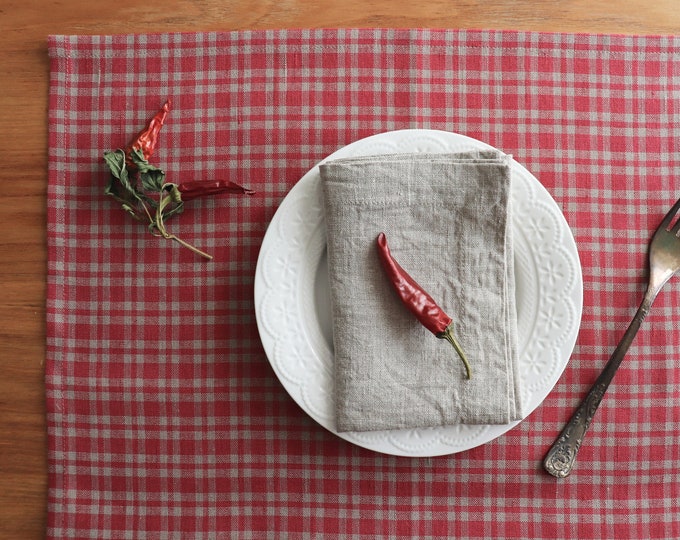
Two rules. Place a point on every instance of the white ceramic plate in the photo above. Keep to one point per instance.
(292, 299)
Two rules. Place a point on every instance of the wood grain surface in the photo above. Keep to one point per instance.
(24, 27)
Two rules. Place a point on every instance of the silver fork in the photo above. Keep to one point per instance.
(664, 261)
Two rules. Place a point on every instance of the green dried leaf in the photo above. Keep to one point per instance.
(116, 162)
(152, 179)
(121, 188)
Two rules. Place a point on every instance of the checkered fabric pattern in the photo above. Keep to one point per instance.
(166, 420)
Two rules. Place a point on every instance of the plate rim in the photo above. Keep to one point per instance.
(495, 430)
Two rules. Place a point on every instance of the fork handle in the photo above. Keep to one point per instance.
(561, 457)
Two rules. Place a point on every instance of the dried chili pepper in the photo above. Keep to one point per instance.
(418, 301)
(147, 139)
(201, 188)
(134, 182)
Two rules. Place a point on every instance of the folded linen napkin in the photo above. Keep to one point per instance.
(447, 220)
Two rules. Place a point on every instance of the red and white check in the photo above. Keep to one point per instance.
(165, 418)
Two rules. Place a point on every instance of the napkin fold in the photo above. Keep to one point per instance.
(447, 218)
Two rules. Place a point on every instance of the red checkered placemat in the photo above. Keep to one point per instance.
(165, 418)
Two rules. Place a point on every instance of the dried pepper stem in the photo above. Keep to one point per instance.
(160, 226)
(451, 338)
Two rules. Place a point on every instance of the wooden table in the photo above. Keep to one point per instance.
(23, 104)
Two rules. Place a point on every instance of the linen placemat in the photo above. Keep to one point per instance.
(448, 219)
(165, 419)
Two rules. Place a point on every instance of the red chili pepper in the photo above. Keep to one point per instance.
(134, 180)
(418, 301)
(146, 140)
(200, 188)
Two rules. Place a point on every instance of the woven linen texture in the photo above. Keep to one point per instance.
(165, 419)
(445, 219)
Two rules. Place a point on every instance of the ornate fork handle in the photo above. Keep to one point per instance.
(561, 457)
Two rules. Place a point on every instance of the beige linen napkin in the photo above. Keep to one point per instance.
(447, 220)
